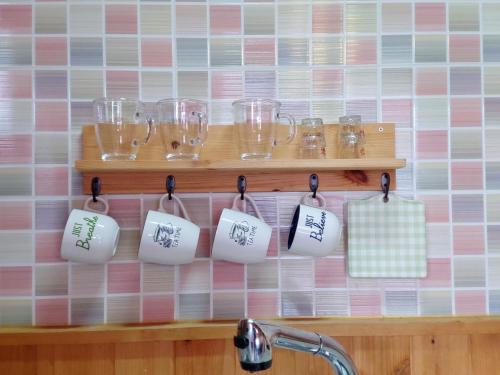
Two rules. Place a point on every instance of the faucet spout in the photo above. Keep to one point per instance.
(255, 339)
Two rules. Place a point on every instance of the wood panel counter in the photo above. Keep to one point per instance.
(378, 346)
(213, 330)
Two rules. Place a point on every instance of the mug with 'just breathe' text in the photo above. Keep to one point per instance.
(90, 235)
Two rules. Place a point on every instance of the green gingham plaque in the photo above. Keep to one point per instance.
(386, 239)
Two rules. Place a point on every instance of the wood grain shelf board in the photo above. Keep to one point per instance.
(337, 327)
(219, 166)
(301, 165)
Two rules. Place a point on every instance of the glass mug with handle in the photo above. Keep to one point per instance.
(256, 122)
(183, 126)
(121, 127)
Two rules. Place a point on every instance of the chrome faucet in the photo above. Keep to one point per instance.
(255, 339)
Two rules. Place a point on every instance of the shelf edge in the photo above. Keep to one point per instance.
(179, 331)
(88, 166)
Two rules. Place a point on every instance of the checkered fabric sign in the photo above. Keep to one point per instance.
(386, 239)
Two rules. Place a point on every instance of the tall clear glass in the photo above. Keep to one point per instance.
(256, 123)
(183, 125)
(121, 127)
(312, 142)
(351, 138)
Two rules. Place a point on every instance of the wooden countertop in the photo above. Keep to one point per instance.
(176, 331)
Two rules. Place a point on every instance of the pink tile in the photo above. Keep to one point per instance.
(127, 212)
(470, 302)
(398, 111)
(468, 239)
(15, 281)
(263, 304)
(327, 18)
(436, 208)
(158, 308)
(432, 81)
(432, 144)
(330, 273)
(15, 19)
(121, 19)
(225, 19)
(272, 250)
(466, 175)
(194, 276)
(51, 116)
(466, 112)
(438, 274)
(122, 84)
(15, 148)
(361, 50)
(328, 83)
(15, 215)
(51, 312)
(465, 48)
(259, 51)
(124, 278)
(156, 51)
(430, 17)
(51, 181)
(227, 275)
(365, 303)
(15, 84)
(227, 85)
(51, 51)
(48, 247)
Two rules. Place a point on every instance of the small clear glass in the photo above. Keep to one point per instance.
(351, 138)
(121, 127)
(312, 142)
(183, 126)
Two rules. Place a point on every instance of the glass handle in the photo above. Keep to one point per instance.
(202, 122)
(150, 122)
(292, 130)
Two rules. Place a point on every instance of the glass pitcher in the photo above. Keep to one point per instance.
(121, 126)
(256, 123)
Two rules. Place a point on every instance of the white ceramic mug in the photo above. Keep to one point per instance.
(168, 239)
(240, 237)
(90, 235)
(314, 230)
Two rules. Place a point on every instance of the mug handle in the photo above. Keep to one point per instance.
(201, 120)
(87, 207)
(177, 200)
(308, 198)
(292, 129)
(252, 202)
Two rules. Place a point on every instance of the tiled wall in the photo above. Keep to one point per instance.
(433, 68)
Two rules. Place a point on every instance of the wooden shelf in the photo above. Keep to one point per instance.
(336, 327)
(299, 165)
(219, 166)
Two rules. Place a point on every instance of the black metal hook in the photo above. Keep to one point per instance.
(242, 186)
(314, 184)
(170, 186)
(385, 184)
(95, 187)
